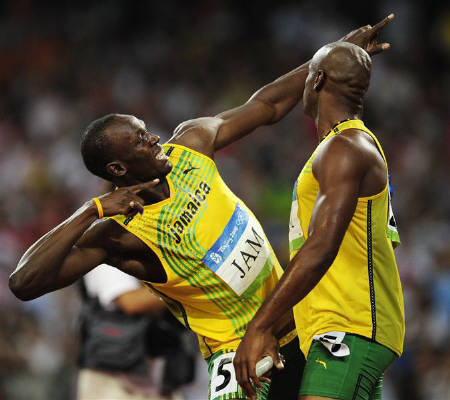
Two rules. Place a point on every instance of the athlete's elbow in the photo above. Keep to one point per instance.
(17, 287)
(325, 247)
(21, 285)
(325, 257)
(328, 257)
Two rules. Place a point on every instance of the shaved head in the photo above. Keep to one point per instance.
(342, 70)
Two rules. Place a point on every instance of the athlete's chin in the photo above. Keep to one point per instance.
(167, 168)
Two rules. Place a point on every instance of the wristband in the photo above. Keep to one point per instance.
(99, 206)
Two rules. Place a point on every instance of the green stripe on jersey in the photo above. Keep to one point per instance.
(266, 270)
(296, 244)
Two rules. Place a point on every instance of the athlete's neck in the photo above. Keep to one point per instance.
(326, 119)
(159, 193)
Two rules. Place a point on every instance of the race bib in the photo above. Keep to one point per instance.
(241, 256)
(223, 378)
(332, 341)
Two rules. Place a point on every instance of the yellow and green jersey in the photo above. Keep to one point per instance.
(361, 292)
(219, 264)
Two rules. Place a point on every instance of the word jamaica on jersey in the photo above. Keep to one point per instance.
(220, 266)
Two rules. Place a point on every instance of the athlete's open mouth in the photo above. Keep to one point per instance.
(160, 155)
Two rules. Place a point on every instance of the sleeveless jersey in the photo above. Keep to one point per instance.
(219, 264)
(361, 292)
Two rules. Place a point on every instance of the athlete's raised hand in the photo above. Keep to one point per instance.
(367, 37)
(125, 200)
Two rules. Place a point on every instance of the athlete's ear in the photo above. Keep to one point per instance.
(319, 80)
(116, 168)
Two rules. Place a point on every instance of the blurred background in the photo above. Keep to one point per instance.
(63, 64)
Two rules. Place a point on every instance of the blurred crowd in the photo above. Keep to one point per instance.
(63, 64)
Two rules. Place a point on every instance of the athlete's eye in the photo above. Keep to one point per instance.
(142, 137)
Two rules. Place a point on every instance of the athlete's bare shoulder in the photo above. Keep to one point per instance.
(354, 154)
(366, 147)
(351, 143)
(337, 150)
(198, 134)
(360, 139)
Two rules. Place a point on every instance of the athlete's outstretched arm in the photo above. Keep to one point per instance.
(71, 249)
(267, 105)
(339, 169)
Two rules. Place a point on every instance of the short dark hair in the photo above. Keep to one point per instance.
(96, 147)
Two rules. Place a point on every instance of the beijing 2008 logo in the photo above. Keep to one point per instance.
(217, 258)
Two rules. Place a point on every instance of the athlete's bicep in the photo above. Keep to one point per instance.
(210, 134)
(85, 255)
(339, 172)
(76, 264)
(93, 248)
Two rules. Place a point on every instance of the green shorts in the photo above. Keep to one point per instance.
(285, 383)
(356, 376)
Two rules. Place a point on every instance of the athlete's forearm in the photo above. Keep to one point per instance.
(270, 103)
(303, 273)
(265, 107)
(332, 214)
(39, 268)
(283, 93)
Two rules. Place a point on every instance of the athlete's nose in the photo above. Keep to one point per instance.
(154, 139)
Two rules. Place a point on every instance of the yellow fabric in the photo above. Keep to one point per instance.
(361, 292)
(219, 263)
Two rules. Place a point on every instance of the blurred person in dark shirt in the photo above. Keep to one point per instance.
(114, 320)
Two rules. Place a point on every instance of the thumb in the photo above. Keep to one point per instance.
(278, 360)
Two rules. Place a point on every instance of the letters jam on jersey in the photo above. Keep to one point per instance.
(241, 255)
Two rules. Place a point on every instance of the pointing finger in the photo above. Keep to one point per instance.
(378, 27)
(378, 48)
(142, 186)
